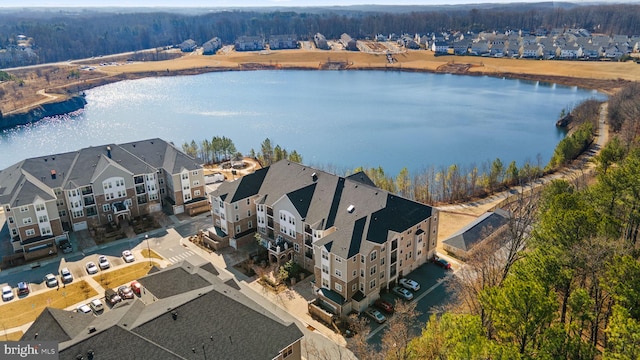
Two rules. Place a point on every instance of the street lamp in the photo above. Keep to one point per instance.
(146, 237)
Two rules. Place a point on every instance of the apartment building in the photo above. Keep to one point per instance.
(45, 197)
(356, 238)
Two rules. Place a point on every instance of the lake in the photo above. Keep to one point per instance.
(334, 119)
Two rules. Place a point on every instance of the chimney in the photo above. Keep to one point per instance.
(109, 152)
(53, 174)
(314, 176)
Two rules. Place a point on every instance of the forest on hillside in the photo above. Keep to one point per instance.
(62, 35)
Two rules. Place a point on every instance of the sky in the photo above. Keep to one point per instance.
(252, 3)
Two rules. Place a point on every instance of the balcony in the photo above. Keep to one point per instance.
(89, 200)
(270, 223)
(140, 189)
(138, 180)
(270, 211)
(87, 190)
(308, 240)
(308, 254)
(307, 229)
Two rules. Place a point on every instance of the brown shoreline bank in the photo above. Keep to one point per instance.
(606, 77)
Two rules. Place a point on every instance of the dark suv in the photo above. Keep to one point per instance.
(112, 297)
(65, 246)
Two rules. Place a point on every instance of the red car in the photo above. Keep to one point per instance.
(384, 306)
(136, 287)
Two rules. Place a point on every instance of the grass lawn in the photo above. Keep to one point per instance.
(125, 275)
(151, 254)
(14, 336)
(21, 311)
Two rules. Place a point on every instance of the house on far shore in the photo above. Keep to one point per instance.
(489, 225)
(188, 45)
(348, 42)
(249, 43)
(211, 46)
(321, 41)
(280, 42)
(183, 312)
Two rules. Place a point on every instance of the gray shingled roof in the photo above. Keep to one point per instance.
(227, 323)
(477, 230)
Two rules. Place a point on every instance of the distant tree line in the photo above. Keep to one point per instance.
(221, 149)
(58, 36)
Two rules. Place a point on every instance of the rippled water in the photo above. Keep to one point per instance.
(343, 119)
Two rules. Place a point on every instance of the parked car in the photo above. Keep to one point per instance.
(65, 246)
(96, 305)
(442, 263)
(375, 315)
(103, 262)
(136, 287)
(84, 308)
(112, 297)
(409, 284)
(51, 280)
(91, 268)
(66, 276)
(402, 292)
(128, 256)
(125, 292)
(23, 288)
(7, 293)
(384, 305)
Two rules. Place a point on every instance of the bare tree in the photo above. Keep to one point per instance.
(398, 335)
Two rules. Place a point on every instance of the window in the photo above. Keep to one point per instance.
(194, 173)
(39, 207)
(338, 273)
(362, 287)
(24, 209)
(62, 213)
(238, 229)
(77, 214)
(196, 183)
(161, 181)
(325, 255)
(10, 220)
(286, 352)
(372, 284)
(381, 274)
(30, 232)
(187, 197)
(296, 247)
(106, 207)
(185, 176)
(325, 269)
(235, 206)
(248, 201)
(26, 221)
(196, 193)
(14, 232)
(338, 260)
(382, 261)
(250, 225)
(361, 272)
(374, 255)
(248, 212)
(46, 231)
(354, 273)
(42, 218)
(338, 287)
(325, 283)
(362, 259)
(354, 287)
(372, 270)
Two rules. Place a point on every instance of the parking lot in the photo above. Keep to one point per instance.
(431, 296)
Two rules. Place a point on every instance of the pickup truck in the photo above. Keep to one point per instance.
(65, 246)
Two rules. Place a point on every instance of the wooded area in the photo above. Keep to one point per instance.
(75, 34)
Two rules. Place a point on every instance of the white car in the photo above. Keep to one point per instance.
(7, 293)
(66, 276)
(128, 256)
(376, 315)
(410, 284)
(84, 308)
(51, 280)
(403, 293)
(91, 268)
(96, 305)
(103, 262)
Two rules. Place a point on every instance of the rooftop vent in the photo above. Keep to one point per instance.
(314, 176)
(92, 329)
(174, 315)
(350, 209)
